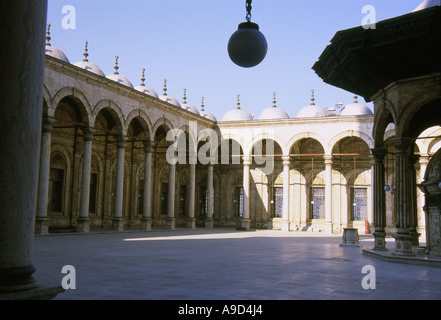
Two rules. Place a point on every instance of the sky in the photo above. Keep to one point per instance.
(185, 42)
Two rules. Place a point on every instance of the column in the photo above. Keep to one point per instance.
(424, 161)
(170, 224)
(210, 197)
(147, 197)
(245, 224)
(118, 221)
(403, 239)
(42, 222)
(379, 206)
(83, 220)
(413, 200)
(328, 194)
(191, 222)
(21, 81)
(285, 208)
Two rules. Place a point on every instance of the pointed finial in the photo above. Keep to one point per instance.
(202, 104)
(48, 35)
(116, 65)
(184, 99)
(85, 54)
(143, 78)
(238, 101)
(165, 87)
(274, 100)
(313, 98)
(355, 99)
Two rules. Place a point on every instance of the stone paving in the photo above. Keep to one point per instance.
(222, 264)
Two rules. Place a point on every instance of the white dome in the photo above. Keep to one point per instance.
(119, 78)
(238, 114)
(190, 108)
(356, 109)
(89, 66)
(274, 112)
(206, 114)
(52, 51)
(427, 4)
(167, 98)
(147, 90)
(312, 111)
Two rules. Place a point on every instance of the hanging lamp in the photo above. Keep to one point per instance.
(247, 46)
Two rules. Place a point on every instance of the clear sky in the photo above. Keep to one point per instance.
(185, 42)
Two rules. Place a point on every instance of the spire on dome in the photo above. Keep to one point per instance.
(202, 104)
(355, 99)
(143, 78)
(116, 65)
(313, 98)
(85, 54)
(48, 35)
(184, 99)
(165, 87)
(274, 100)
(238, 101)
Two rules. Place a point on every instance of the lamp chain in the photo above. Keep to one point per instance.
(249, 7)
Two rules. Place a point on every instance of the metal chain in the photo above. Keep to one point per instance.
(249, 7)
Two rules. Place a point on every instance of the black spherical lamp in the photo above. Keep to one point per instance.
(247, 46)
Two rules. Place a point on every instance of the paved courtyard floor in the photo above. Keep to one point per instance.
(222, 264)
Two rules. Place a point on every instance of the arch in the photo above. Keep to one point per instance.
(47, 100)
(233, 136)
(382, 119)
(144, 120)
(78, 98)
(265, 136)
(311, 135)
(115, 112)
(161, 122)
(351, 133)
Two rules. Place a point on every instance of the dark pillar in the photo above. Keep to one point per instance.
(379, 199)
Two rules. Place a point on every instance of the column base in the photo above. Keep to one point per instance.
(191, 223)
(41, 225)
(350, 238)
(39, 293)
(327, 227)
(83, 225)
(284, 224)
(146, 224)
(415, 237)
(244, 224)
(209, 223)
(170, 224)
(403, 245)
(17, 279)
(379, 241)
(118, 224)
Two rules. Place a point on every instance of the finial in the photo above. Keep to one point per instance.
(202, 104)
(184, 99)
(238, 101)
(85, 54)
(313, 98)
(143, 78)
(355, 99)
(48, 35)
(165, 87)
(116, 65)
(274, 100)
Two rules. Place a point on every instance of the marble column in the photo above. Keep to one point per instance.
(328, 194)
(83, 220)
(285, 206)
(210, 195)
(42, 221)
(424, 161)
(22, 55)
(245, 224)
(118, 221)
(403, 239)
(379, 207)
(413, 208)
(191, 222)
(147, 197)
(171, 220)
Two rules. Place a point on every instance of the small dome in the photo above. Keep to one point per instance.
(274, 112)
(189, 107)
(238, 114)
(144, 89)
(356, 109)
(312, 111)
(89, 66)
(52, 51)
(167, 98)
(119, 78)
(427, 4)
(206, 114)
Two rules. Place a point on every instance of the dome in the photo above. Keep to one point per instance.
(89, 66)
(206, 114)
(312, 111)
(119, 78)
(144, 89)
(52, 51)
(356, 109)
(189, 107)
(167, 98)
(237, 114)
(274, 112)
(427, 4)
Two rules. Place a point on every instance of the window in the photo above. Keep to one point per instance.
(278, 202)
(183, 200)
(164, 198)
(93, 192)
(56, 184)
(203, 201)
(238, 201)
(359, 204)
(317, 203)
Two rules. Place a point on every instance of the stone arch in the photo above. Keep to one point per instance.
(144, 120)
(79, 100)
(115, 111)
(311, 135)
(351, 133)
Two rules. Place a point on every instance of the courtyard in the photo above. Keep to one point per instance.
(224, 264)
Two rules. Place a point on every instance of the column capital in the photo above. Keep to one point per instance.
(286, 160)
(120, 142)
(328, 159)
(149, 146)
(379, 153)
(47, 125)
(88, 134)
(246, 160)
(402, 144)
